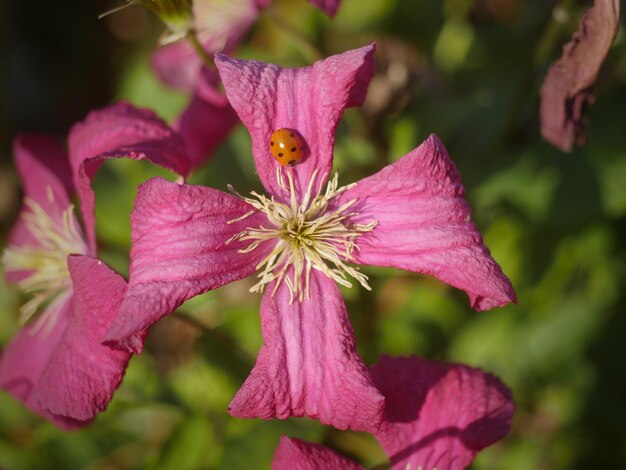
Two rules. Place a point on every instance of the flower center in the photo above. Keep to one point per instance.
(47, 262)
(308, 236)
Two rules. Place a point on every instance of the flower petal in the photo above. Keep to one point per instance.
(120, 131)
(44, 170)
(424, 225)
(309, 100)
(82, 374)
(179, 250)
(221, 25)
(308, 365)
(439, 415)
(207, 121)
(26, 357)
(329, 7)
(294, 454)
(43, 167)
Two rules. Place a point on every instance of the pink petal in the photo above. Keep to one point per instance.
(45, 173)
(26, 357)
(329, 7)
(179, 250)
(82, 374)
(308, 365)
(207, 121)
(294, 454)
(42, 163)
(309, 100)
(424, 225)
(120, 131)
(439, 415)
(221, 26)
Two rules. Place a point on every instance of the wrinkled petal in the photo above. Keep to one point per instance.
(221, 25)
(207, 121)
(308, 100)
(82, 374)
(294, 454)
(120, 131)
(329, 7)
(308, 365)
(26, 357)
(567, 91)
(179, 250)
(439, 415)
(45, 173)
(424, 225)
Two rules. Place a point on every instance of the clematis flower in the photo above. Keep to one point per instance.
(207, 120)
(303, 240)
(220, 26)
(437, 416)
(57, 364)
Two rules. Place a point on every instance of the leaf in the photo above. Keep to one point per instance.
(567, 89)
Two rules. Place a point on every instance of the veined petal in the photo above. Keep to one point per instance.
(179, 250)
(207, 121)
(424, 225)
(26, 357)
(308, 365)
(220, 24)
(308, 100)
(45, 172)
(294, 454)
(329, 7)
(82, 374)
(120, 131)
(439, 415)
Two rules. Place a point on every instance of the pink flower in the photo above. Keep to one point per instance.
(302, 240)
(437, 416)
(57, 364)
(220, 25)
(207, 120)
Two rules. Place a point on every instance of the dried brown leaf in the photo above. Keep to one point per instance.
(567, 89)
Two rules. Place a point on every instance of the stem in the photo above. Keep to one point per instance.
(192, 37)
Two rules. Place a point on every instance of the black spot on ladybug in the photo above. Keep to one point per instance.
(291, 134)
(292, 162)
(280, 154)
(272, 143)
(293, 149)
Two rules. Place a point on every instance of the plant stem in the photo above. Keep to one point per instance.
(192, 37)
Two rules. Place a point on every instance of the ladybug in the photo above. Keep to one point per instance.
(286, 147)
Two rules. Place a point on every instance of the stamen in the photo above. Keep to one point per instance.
(307, 235)
(48, 261)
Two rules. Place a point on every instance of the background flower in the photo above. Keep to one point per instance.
(437, 416)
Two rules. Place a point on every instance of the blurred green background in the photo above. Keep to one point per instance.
(468, 70)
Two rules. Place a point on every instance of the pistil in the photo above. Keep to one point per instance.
(307, 234)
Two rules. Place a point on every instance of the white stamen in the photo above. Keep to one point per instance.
(47, 261)
(308, 236)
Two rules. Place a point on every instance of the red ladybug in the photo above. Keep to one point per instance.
(286, 147)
